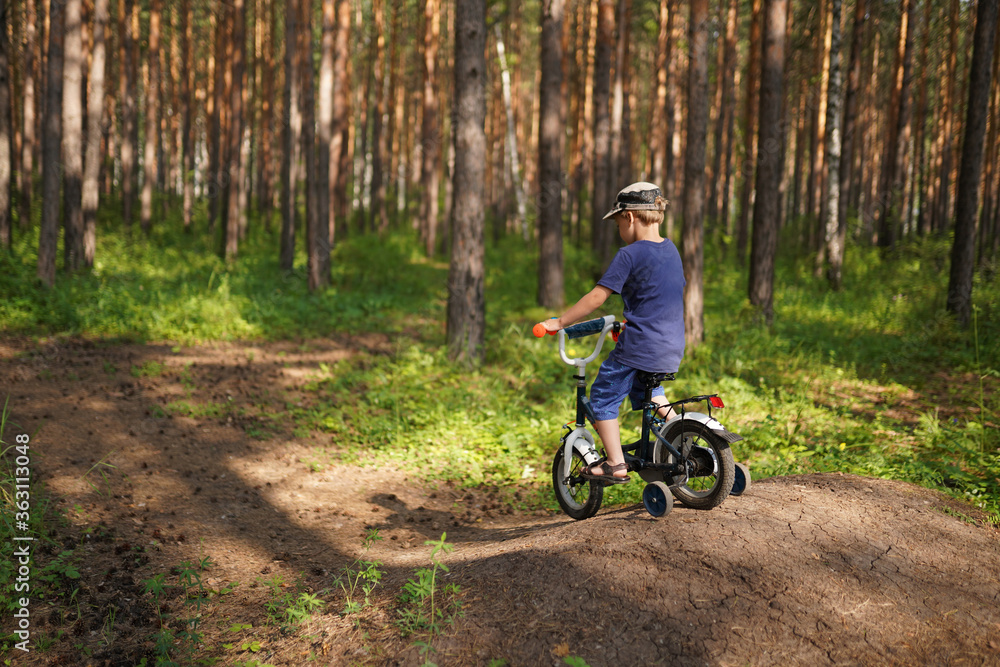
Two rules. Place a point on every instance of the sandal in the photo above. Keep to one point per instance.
(607, 477)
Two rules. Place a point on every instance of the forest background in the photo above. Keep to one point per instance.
(437, 172)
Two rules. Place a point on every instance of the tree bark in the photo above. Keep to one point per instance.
(767, 203)
(621, 170)
(188, 110)
(152, 111)
(48, 236)
(836, 219)
(511, 135)
(942, 208)
(318, 235)
(466, 303)
(967, 197)
(749, 131)
(377, 212)
(658, 137)
(340, 145)
(6, 128)
(234, 182)
(850, 134)
(72, 135)
(430, 131)
(28, 115)
(95, 120)
(325, 129)
(603, 189)
(550, 257)
(291, 128)
(894, 165)
(694, 175)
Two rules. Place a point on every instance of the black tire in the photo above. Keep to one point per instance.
(710, 462)
(657, 499)
(579, 500)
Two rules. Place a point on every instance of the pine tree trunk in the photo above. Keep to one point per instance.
(749, 132)
(377, 216)
(231, 231)
(72, 136)
(993, 152)
(95, 112)
(6, 129)
(291, 140)
(729, 104)
(48, 236)
(325, 127)
(942, 209)
(28, 116)
(603, 188)
(318, 235)
(850, 133)
(430, 131)
(835, 214)
(817, 170)
(658, 142)
(127, 93)
(188, 111)
(692, 243)
(767, 202)
(967, 197)
(511, 136)
(466, 303)
(340, 144)
(621, 172)
(894, 165)
(152, 112)
(550, 258)
(719, 122)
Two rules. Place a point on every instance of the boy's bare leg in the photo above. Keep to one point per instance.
(611, 437)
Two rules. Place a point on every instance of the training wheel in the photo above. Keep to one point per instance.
(657, 499)
(741, 484)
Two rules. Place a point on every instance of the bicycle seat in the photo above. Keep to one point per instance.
(650, 380)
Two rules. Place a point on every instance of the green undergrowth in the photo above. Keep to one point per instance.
(875, 379)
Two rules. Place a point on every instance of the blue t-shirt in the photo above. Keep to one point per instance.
(650, 279)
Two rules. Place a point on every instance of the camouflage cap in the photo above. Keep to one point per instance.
(639, 196)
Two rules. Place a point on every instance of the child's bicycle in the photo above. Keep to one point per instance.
(686, 456)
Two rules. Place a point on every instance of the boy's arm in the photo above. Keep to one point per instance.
(587, 304)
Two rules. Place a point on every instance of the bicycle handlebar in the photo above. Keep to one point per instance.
(588, 328)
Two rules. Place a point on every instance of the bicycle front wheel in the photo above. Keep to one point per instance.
(578, 498)
(710, 466)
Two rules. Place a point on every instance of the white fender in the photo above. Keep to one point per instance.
(581, 440)
(710, 422)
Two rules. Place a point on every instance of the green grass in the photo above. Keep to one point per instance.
(843, 380)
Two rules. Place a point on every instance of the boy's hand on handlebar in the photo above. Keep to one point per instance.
(549, 327)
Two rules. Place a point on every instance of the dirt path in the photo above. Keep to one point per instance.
(822, 569)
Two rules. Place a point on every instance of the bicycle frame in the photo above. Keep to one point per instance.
(639, 454)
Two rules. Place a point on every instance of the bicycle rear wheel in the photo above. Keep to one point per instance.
(578, 498)
(711, 470)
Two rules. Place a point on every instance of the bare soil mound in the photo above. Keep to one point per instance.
(819, 569)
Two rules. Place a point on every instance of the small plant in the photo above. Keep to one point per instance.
(360, 578)
(194, 593)
(149, 368)
(104, 486)
(423, 612)
(288, 608)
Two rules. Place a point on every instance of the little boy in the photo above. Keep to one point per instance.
(648, 274)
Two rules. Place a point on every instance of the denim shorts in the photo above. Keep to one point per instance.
(614, 382)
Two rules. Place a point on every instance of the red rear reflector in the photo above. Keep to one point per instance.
(716, 402)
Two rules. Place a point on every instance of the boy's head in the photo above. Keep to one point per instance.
(644, 200)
